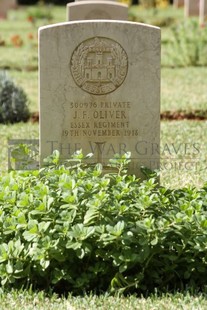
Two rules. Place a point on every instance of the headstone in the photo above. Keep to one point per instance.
(192, 8)
(5, 6)
(178, 3)
(203, 12)
(85, 10)
(100, 91)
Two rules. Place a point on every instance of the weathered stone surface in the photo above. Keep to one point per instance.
(86, 10)
(203, 12)
(100, 91)
(5, 6)
(192, 7)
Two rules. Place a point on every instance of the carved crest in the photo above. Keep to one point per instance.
(99, 65)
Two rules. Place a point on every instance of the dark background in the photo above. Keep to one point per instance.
(62, 2)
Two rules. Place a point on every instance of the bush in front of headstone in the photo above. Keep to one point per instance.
(13, 101)
(71, 228)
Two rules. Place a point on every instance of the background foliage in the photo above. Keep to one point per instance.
(13, 101)
(188, 44)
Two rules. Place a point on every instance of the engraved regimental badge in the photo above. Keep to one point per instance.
(99, 65)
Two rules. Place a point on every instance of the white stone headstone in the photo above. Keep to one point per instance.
(192, 7)
(5, 6)
(85, 10)
(203, 12)
(100, 91)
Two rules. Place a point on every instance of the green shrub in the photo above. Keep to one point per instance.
(40, 12)
(75, 229)
(13, 101)
(188, 45)
(156, 17)
(159, 21)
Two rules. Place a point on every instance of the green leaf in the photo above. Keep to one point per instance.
(44, 263)
(9, 267)
(3, 252)
(43, 226)
(81, 233)
(117, 229)
(73, 245)
(91, 216)
(154, 241)
(18, 268)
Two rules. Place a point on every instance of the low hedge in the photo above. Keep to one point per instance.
(70, 228)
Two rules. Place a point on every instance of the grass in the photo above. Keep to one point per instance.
(29, 82)
(183, 89)
(17, 24)
(183, 153)
(25, 300)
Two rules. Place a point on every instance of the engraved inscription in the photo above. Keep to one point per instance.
(99, 65)
(100, 119)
